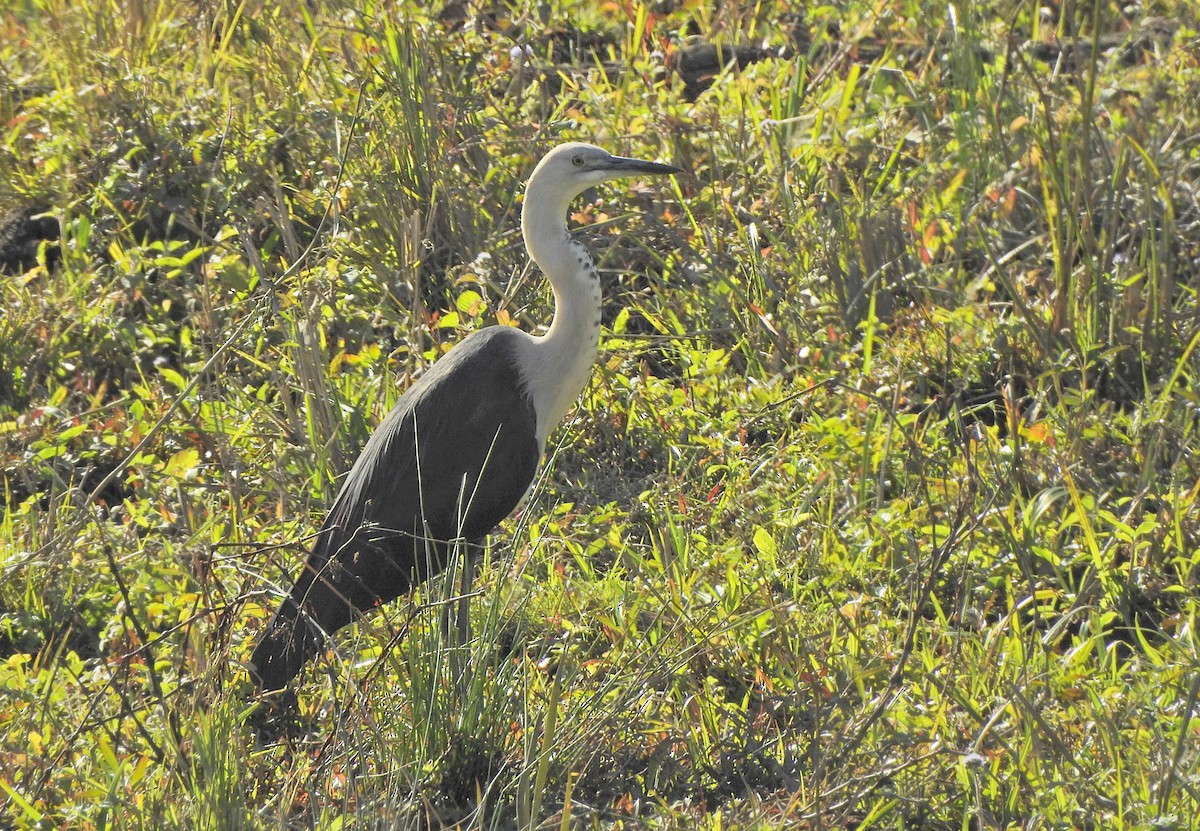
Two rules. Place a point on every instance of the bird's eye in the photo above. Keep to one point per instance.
(577, 161)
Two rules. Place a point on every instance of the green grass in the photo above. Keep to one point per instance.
(880, 512)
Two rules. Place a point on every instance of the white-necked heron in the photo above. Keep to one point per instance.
(460, 449)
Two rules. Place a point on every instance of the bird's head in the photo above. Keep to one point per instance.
(570, 169)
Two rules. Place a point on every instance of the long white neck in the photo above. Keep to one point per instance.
(559, 363)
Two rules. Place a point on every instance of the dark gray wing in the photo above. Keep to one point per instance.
(449, 462)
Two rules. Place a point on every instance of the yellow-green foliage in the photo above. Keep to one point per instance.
(882, 508)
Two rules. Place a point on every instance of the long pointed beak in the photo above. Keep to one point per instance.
(621, 164)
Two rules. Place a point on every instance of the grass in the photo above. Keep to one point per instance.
(881, 511)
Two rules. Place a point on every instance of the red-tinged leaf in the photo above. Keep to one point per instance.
(929, 241)
(1010, 202)
(1040, 433)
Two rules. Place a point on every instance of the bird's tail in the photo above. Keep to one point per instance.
(331, 590)
(316, 607)
(291, 638)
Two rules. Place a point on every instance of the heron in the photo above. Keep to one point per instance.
(459, 451)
